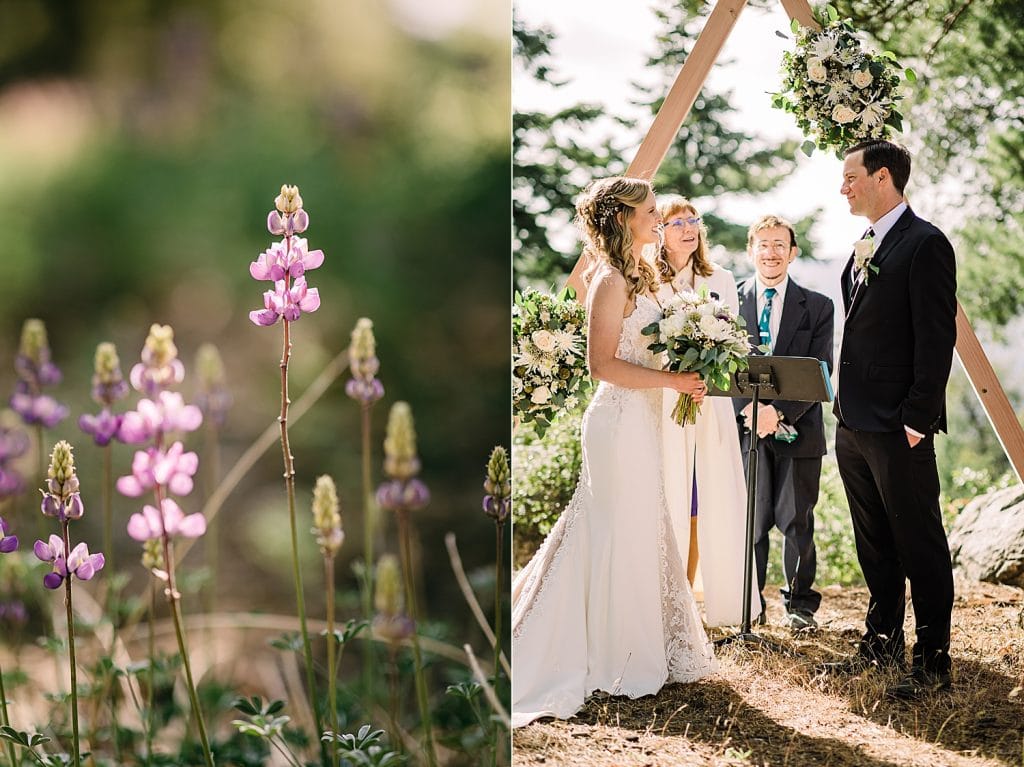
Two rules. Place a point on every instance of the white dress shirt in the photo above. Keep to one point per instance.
(775, 319)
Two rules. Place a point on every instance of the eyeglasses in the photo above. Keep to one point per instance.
(692, 221)
(778, 246)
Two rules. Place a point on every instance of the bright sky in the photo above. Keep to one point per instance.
(601, 47)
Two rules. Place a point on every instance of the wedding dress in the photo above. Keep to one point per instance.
(605, 604)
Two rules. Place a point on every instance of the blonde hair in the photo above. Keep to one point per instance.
(770, 222)
(670, 206)
(607, 235)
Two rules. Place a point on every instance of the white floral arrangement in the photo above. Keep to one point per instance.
(549, 367)
(701, 334)
(863, 254)
(839, 92)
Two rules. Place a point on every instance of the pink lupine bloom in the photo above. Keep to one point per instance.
(172, 469)
(276, 262)
(168, 413)
(288, 224)
(151, 523)
(81, 563)
(286, 302)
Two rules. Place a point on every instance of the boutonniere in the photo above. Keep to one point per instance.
(863, 252)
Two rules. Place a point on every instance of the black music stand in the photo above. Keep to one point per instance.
(801, 379)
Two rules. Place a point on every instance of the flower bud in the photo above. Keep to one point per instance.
(289, 201)
(108, 384)
(62, 463)
(364, 345)
(61, 497)
(387, 597)
(159, 349)
(34, 343)
(400, 459)
(498, 486)
(327, 516)
(153, 554)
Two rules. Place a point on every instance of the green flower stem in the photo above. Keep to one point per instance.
(174, 600)
(396, 732)
(498, 565)
(289, 481)
(150, 671)
(332, 682)
(410, 598)
(108, 513)
(369, 530)
(71, 652)
(4, 719)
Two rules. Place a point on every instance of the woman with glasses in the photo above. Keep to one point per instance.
(705, 485)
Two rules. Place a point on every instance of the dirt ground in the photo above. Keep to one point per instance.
(766, 707)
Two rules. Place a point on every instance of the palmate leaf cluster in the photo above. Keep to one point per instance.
(839, 93)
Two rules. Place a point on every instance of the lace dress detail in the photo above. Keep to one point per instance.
(605, 604)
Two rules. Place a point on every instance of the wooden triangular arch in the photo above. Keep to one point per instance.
(662, 133)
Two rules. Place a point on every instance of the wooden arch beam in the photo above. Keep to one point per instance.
(664, 129)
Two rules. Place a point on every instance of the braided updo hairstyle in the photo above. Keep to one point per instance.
(607, 235)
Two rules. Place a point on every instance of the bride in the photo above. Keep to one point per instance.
(605, 604)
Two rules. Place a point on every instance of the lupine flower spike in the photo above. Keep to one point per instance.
(498, 489)
(393, 626)
(403, 493)
(285, 263)
(329, 537)
(35, 370)
(160, 367)
(62, 499)
(365, 388)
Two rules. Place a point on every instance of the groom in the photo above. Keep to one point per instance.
(899, 293)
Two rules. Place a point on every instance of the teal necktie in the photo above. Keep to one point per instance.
(764, 324)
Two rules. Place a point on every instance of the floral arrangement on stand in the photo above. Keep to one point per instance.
(839, 92)
(549, 367)
(699, 334)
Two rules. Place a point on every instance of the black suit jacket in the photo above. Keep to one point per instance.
(899, 333)
(805, 330)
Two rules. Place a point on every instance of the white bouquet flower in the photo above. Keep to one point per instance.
(839, 92)
(699, 334)
(549, 369)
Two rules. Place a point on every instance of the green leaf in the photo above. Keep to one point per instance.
(807, 148)
(910, 74)
(794, 26)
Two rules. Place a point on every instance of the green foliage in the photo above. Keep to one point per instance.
(546, 472)
(364, 749)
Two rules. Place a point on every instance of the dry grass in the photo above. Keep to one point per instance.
(768, 708)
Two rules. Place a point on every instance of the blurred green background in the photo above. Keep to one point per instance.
(142, 144)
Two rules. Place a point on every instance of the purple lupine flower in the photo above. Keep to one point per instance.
(402, 491)
(62, 498)
(286, 261)
(35, 370)
(498, 486)
(172, 469)
(168, 413)
(287, 302)
(81, 563)
(10, 482)
(160, 367)
(108, 386)
(364, 386)
(13, 613)
(102, 427)
(169, 520)
(8, 543)
(213, 397)
(284, 258)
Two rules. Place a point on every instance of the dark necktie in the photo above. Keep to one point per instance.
(764, 324)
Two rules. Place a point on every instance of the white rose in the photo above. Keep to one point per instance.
(862, 78)
(544, 341)
(545, 316)
(714, 328)
(816, 70)
(863, 251)
(541, 395)
(842, 114)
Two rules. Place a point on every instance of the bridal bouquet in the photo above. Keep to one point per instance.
(549, 369)
(700, 334)
(839, 93)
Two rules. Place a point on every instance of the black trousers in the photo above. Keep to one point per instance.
(893, 491)
(786, 493)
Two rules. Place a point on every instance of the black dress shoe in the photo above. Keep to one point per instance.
(918, 682)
